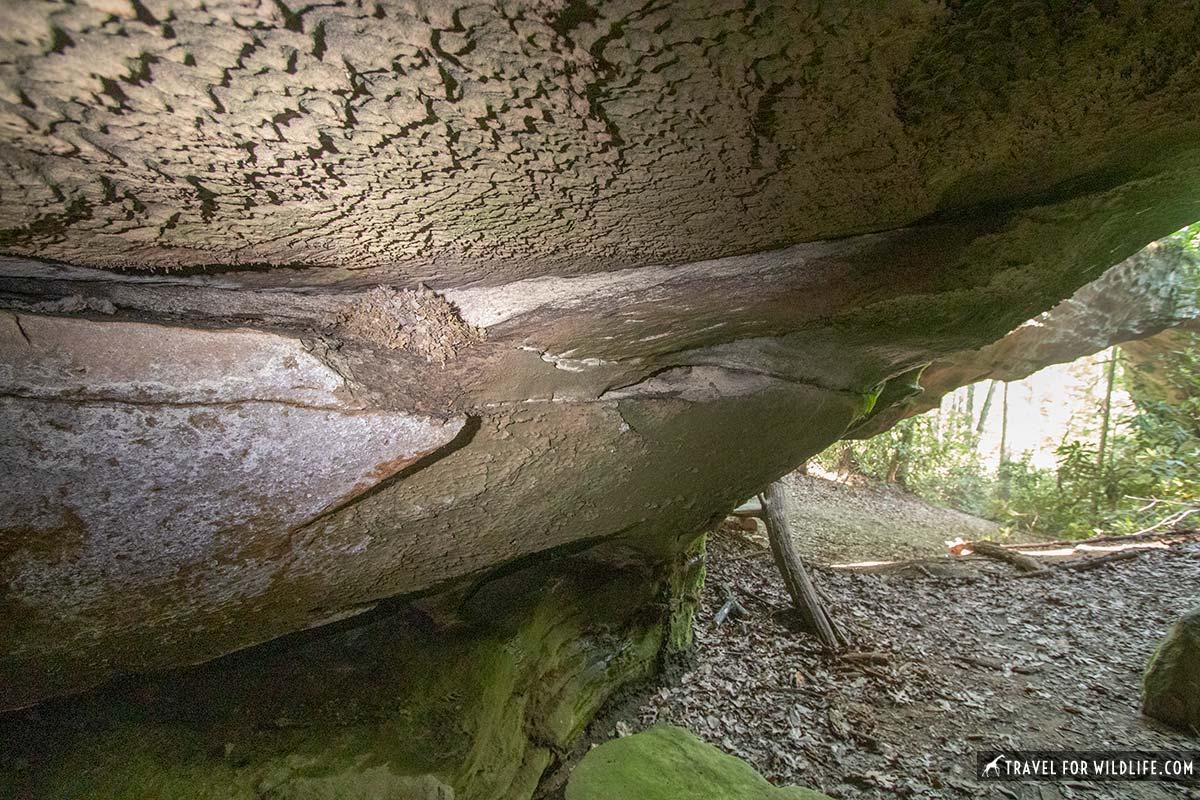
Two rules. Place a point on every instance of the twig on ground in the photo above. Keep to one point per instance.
(1099, 561)
(867, 657)
(731, 607)
(1021, 561)
(1075, 543)
(979, 661)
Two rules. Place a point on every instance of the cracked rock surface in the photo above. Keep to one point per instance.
(307, 307)
(457, 141)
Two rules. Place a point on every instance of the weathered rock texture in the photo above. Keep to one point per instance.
(209, 517)
(503, 140)
(670, 252)
(1143, 296)
(1150, 362)
(1171, 689)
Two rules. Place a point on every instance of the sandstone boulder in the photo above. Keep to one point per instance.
(1172, 682)
(670, 763)
(1140, 299)
(470, 695)
(636, 264)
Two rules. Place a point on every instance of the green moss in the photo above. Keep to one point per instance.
(1171, 687)
(388, 706)
(869, 401)
(669, 763)
(683, 587)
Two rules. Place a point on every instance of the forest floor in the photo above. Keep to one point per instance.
(949, 660)
(846, 521)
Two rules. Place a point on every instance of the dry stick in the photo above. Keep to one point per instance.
(1151, 502)
(979, 661)
(1153, 532)
(898, 566)
(1031, 568)
(731, 608)
(992, 550)
(1125, 537)
(872, 657)
(1099, 561)
(1173, 519)
(795, 577)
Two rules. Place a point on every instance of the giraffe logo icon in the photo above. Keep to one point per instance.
(993, 766)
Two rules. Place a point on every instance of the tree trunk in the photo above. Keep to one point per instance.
(901, 457)
(1004, 426)
(1112, 373)
(846, 463)
(795, 576)
(987, 406)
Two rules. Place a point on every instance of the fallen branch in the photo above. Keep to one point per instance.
(791, 568)
(1022, 562)
(1170, 520)
(1099, 561)
(1151, 502)
(979, 661)
(1074, 543)
(919, 564)
(731, 607)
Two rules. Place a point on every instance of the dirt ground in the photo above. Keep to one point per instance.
(947, 664)
(858, 521)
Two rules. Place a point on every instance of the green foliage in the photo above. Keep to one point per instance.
(1189, 237)
(1151, 469)
(1164, 439)
(935, 458)
(1024, 497)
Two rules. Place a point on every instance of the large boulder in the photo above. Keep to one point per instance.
(638, 262)
(1152, 362)
(354, 305)
(1172, 682)
(669, 763)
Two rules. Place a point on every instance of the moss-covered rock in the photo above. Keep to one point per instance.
(471, 696)
(1172, 681)
(669, 763)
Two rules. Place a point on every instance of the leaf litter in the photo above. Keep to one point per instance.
(941, 667)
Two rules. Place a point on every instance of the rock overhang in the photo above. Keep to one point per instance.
(489, 142)
(694, 260)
